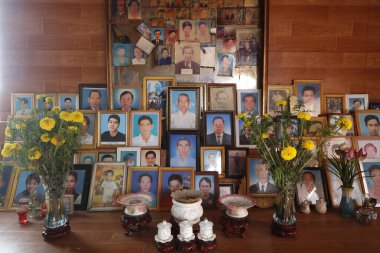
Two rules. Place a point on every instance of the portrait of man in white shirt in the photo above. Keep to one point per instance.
(183, 118)
(146, 137)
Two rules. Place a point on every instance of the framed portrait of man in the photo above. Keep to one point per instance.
(138, 56)
(369, 144)
(312, 187)
(206, 182)
(187, 58)
(243, 135)
(158, 36)
(68, 101)
(5, 185)
(334, 143)
(87, 157)
(89, 129)
(171, 36)
(222, 97)
(202, 92)
(78, 185)
(121, 54)
(119, 10)
(164, 55)
(213, 159)
(47, 102)
(150, 158)
(145, 129)
(236, 162)
(107, 183)
(22, 105)
(130, 156)
(93, 97)
(219, 128)
(202, 31)
(107, 157)
(126, 99)
(225, 65)
(310, 92)
(144, 180)
(249, 101)
(112, 128)
(183, 149)
(184, 108)
(334, 103)
(356, 102)
(368, 122)
(260, 181)
(333, 118)
(277, 93)
(187, 30)
(171, 180)
(370, 169)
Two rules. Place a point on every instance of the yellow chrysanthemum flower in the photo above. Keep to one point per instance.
(264, 135)
(50, 99)
(288, 153)
(304, 115)
(40, 96)
(308, 145)
(241, 115)
(344, 123)
(5, 152)
(77, 117)
(45, 137)
(8, 131)
(54, 140)
(56, 109)
(16, 147)
(47, 123)
(266, 116)
(37, 155)
(65, 116)
(281, 102)
(20, 126)
(57, 141)
(73, 128)
(34, 154)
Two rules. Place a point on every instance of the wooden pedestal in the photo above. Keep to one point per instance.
(283, 230)
(233, 226)
(134, 223)
(56, 233)
(205, 246)
(166, 247)
(186, 246)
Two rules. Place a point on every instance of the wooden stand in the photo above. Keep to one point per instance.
(134, 223)
(283, 230)
(55, 233)
(186, 246)
(233, 226)
(205, 246)
(166, 247)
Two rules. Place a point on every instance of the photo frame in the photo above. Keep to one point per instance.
(316, 124)
(222, 97)
(78, 182)
(356, 102)
(68, 101)
(259, 179)
(89, 129)
(187, 58)
(207, 183)
(219, 128)
(112, 128)
(333, 118)
(242, 136)
(311, 93)
(164, 55)
(226, 189)
(86, 157)
(367, 122)
(144, 180)
(334, 103)
(187, 30)
(93, 97)
(107, 157)
(281, 123)
(213, 159)
(130, 156)
(275, 94)
(43, 104)
(236, 162)
(369, 144)
(145, 129)
(6, 185)
(134, 10)
(184, 108)
(202, 93)
(22, 105)
(126, 98)
(334, 143)
(150, 158)
(248, 49)
(183, 149)
(108, 181)
(249, 101)
(225, 63)
(312, 187)
(374, 106)
(370, 172)
(169, 180)
(138, 55)
(121, 54)
(69, 203)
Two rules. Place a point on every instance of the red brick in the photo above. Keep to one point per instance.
(98, 42)
(15, 41)
(373, 44)
(353, 60)
(94, 10)
(321, 28)
(82, 58)
(374, 3)
(323, 60)
(17, 25)
(315, 73)
(70, 73)
(285, 75)
(374, 28)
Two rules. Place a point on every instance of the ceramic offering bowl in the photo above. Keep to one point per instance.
(237, 205)
(187, 206)
(135, 203)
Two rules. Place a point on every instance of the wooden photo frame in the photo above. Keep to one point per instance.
(219, 128)
(93, 97)
(259, 180)
(236, 162)
(112, 128)
(89, 130)
(368, 122)
(45, 104)
(6, 184)
(249, 101)
(213, 159)
(78, 182)
(356, 102)
(226, 189)
(202, 93)
(334, 143)
(183, 149)
(370, 169)
(369, 144)
(222, 97)
(275, 94)
(86, 157)
(312, 187)
(333, 118)
(69, 203)
(126, 98)
(68, 101)
(22, 105)
(243, 135)
(130, 155)
(206, 182)
(145, 129)
(334, 103)
(311, 93)
(150, 157)
(316, 124)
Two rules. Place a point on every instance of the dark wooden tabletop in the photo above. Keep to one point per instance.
(102, 232)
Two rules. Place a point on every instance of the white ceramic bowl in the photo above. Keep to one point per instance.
(191, 212)
(135, 203)
(237, 205)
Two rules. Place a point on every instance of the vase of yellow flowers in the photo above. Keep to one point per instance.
(49, 140)
(286, 145)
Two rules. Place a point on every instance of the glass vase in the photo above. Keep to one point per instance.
(284, 219)
(346, 206)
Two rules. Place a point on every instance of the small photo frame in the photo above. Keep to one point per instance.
(144, 30)
(5, 185)
(356, 102)
(89, 129)
(370, 169)
(368, 122)
(93, 97)
(184, 108)
(22, 105)
(108, 181)
(171, 36)
(68, 101)
(219, 128)
(226, 189)
(121, 55)
(186, 30)
(87, 157)
(334, 143)
(187, 58)
(144, 180)
(112, 128)
(134, 9)
(171, 180)
(284, 127)
(369, 144)
(260, 182)
(236, 162)
(277, 93)
(334, 103)
(249, 101)
(158, 36)
(69, 203)
(333, 118)
(202, 93)
(248, 46)
(310, 92)
(222, 97)
(45, 104)
(130, 156)
(316, 124)
(150, 158)
(213, 159)
(243, 135)
(164, 55)
(312, 187)
(107, 157)
(207, 184)
(183, 149)
(126, 99)
(145, 129)
(78, 185)
(138, 56)
(202, 31)
(225, 65)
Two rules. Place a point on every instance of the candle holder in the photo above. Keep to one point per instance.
(186, 237)
(206, 236)
(164, 237)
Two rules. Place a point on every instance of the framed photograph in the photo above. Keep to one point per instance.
(207, 184)
(252, 16)
(367, 122)
(184, 108)
(243, 136)
(370, 169)
(236, 162)
(335, 191)
(374, 106)
(46, 104)
(334, 103)
(164, 55)
(222, 97)
(121, 54)
(89, 129)
(316, 126)
(150, 158)
(227, 16)
(107, 157)
(249, 101)
(155, 91)
(171, 180)
(356, 102)
(334, 143)
(259, 179)
(333, 118)
(5, 185)
(213, 159)
(283, 127)
(229, 45)
(202, 93)
(183, 149)
(219, 128)
(277, 93)
(126, 99)
(25, 184)
(369, 144)
(312, 187)
(225, 65)
(93, 97)
(144, 30)
(68, 101)
(317, 160)
(226, 189)
(78, 185)
(187, 30)
(108, 181)
(144, 180)
(130, 156)
(202, 31)
(134, 9)
(145, 129)
(187, 58)
(158, 36)
(138, 56)
(87, 157)
(171, 36)
(22, 104)
(69, 203)
(112, 128)
(310, 92)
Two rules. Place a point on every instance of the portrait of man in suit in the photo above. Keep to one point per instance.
(126, 101)
(263, 186)
(94, 100)
(187, 65)
(218, 137)
(157, 37)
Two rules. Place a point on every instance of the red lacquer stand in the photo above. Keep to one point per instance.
(186, 246)
(283, 230)
(134, 223)
(205, 246)
(55, 233)
(233, 226)
(166, 247)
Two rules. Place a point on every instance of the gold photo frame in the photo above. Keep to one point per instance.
(22, 105)
(89, 139)
(368, 122)
(311, 93)
(333, 103)
(213, 159)
(142, 124)
(276, 93)
(106, 128)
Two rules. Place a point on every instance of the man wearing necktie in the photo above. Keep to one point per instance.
(187, 63)
(24, 104)
(218, 137)
(157, 35)
(263, 186)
